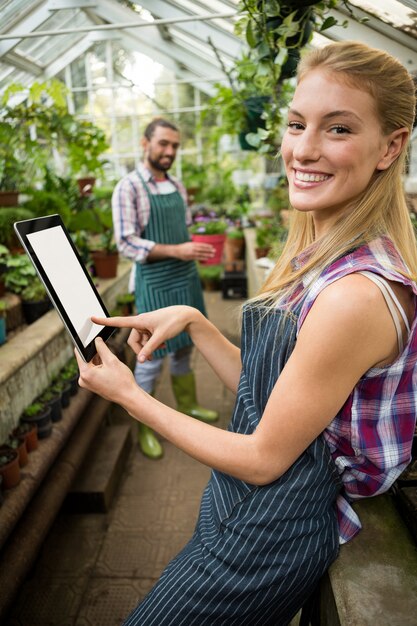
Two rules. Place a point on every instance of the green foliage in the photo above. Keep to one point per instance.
(209, 227)
(34, 291)
(34, 409)
(210, 272)
(43, 106)
(3, 308)
(20, 273)
(43, 202)
(275, 31)
(268, 232)
(86, 145)
(235, 233)
(8, 216)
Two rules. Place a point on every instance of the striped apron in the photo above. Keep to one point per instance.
(257, 552)
(170, 281)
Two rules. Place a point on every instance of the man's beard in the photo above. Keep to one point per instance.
(158, 165)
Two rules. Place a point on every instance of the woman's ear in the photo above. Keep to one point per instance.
(394, 145)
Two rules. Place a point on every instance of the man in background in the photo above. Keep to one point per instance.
(150, 217)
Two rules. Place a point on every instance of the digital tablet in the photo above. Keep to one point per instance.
(66, 279)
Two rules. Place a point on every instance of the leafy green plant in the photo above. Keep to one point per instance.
(34, 291)
(208, 227)
(8, 216)
(275, 32)
(43, 202)
(3, 308)
(34, 409)
(235, 233)
(210, 272)
(267, 232)
(20, 273)
(87, 143)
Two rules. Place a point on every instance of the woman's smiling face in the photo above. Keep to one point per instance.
(332, 147)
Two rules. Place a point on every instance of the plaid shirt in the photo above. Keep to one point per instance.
(131, 209)
(370, 438)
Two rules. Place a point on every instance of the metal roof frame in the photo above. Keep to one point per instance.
(181, 36)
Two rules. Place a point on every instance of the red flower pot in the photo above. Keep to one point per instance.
(217, 241)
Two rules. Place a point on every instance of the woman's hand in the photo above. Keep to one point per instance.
(106, 375)
(151, 330)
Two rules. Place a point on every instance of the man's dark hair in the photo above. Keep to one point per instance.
(158, 121)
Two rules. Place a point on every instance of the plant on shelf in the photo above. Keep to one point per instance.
(8, 216)
(19, 444)
(87, 143)
(126, 303)
(4, 255)
(30, 434)
(3, 311)
(268, 232)
(210, 276)
(39, 413)
(9, 467)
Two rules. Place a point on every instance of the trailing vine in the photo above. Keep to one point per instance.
(260, 84)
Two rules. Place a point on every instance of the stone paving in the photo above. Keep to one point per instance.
(94, 568)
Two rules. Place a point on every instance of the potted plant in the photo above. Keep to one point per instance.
(213, 231)
(70, 374)
(105, 255)
(4, 255)
(234, 248)
(62, 387)
(19, 444)
(13, 174)
(8, 237)
(3, 334)
(35, 301)
(30, 434)
(40, 414)
(87, 143)
(52, 397)
(125, 303)
(210, 276)
(9, 467)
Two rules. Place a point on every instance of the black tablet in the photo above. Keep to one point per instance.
(66, 279)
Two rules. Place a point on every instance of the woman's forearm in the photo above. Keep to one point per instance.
(221, 354)
(232, 453)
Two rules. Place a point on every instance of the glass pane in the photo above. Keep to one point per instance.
(185, 95)
(125, 136)
(98, 67)
(80, 102)
(187, 125)
(78, 76)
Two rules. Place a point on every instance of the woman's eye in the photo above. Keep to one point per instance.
(339, 130)
(295, 126)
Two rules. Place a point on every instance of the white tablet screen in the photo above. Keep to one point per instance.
(67, 277)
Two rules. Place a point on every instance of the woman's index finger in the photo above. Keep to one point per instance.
(120, 322)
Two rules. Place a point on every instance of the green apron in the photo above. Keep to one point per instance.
(170, 281)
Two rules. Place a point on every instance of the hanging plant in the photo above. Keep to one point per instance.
(260, 88)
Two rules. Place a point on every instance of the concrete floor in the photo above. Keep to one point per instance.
(94, 568)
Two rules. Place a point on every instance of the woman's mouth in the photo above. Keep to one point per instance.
(310, 177)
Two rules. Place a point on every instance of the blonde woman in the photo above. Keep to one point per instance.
(325, 409)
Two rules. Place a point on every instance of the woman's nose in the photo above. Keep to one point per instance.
(306, 146)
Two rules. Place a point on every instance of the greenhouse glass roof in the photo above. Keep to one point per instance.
(195, 40)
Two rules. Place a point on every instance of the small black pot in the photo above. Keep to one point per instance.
(43, 421)
(34, 310)
(56, 408)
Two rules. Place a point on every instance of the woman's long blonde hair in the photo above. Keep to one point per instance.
(382, 207)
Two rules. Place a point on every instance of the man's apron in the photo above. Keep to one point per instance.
(170, 281)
